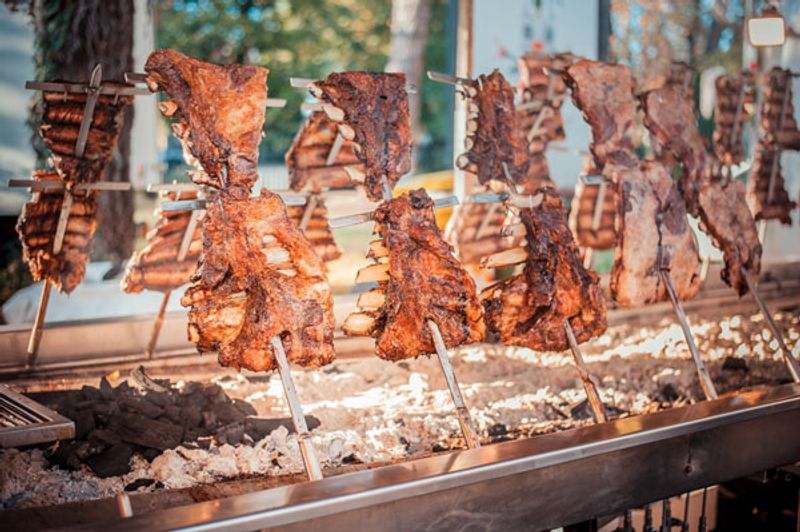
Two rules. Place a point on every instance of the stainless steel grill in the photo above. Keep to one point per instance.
(26, 422)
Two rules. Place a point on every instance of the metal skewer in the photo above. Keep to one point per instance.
(310, 461)
(791, 362)
(304, 83)
(124, 505)
(360, 218)
(464, 418)
(141, 77)
(592, 395)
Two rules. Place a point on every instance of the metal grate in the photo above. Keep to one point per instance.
(26, 422)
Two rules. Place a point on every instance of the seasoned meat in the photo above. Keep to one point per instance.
(37, 228)
(542, 92)
(308, 156)
(724, 215)
(670, 117)
(735, 99)
(777, 130)
(156, 266)
(530, 309)
(593, 225)
(220, 113)
(651, 213)
(681, 75)
(496, 149)
(476, 230)
(418, 280)
(375, 107)
(604, 94)
(259, 278)
(312, 218)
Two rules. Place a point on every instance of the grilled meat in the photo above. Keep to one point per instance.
(376, 118)
(604, 94)
(420, 280)
(724, 215)
(651, 213)
(37, 228)
(312, 218)
(777, 130)
(530, 309)
(496, 149)
(157, 265)
(735, 98)
(593, 226)
(308, 157)
(220, 113)
(259, 278)
(476, 230)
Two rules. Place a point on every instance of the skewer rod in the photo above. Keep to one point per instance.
(188, 235)
(124, 505)
(156, 330)
(705, 379)
(308, 212)
(791, 362)
(310, 461)
(38, 323)
(591, 390)
(360, 218)
(464, 418)
(63, 219)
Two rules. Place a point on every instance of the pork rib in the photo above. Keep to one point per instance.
(476, 231)
(220, 112)
(259, 278)
(531, 308)
(604, 94)
(420, 281)
(307, 158)
(317, 229)
(496, 149)
(589, 231)
(376, 111)
(651, 214)
(735, 98)
(156, 266)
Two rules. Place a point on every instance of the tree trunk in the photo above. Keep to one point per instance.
(407, 52)
(71, 38)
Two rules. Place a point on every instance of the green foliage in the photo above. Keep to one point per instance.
(437, 98)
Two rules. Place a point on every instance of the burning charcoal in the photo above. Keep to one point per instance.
(91, 393)
(232, 434)
(215, 393)
(114, 461)
(65, 455)
(145, 383)
(146, 432)
(173, 413)
(139, 483)
(498, 429)
(84, 423)
(735, 364)
(227, 413)
(244, 407)
(106, 391)
(209, 420)
(191, 416)
(104, 410)
(161, 399)
(141, 406)
(194, 434)
(103, 437)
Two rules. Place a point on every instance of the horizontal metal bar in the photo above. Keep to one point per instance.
(276, 103)
(173, 187)
(304, 83)
(289, 199)
(537, 483)
(134, 77)
(82, 88)
(59, 185)
(592, 179)
(517, 200)
(447, 78)
(363, 217)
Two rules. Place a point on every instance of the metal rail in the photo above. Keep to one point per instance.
(537, 483)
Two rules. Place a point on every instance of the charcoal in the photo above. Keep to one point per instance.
(194, 434)
(91, 393)
(150, 454)
(106, 391)
(173, 413)
(105, 409)
(141, 406)
(259, 428)
(209, 420)
(232, 434)
(123, 387)
(114, 461)
(103, 437)
(161, 399)
(227, 413)
(191, 416)
(65, 455)
(84, 423)
(735, 364)
(667, 393)
(498, 429)
(140, 430)
(352, 459)
(244, 407)
(139, 483)
(145, 383)
(215, 393)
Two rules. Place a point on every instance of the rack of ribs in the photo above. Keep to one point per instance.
(375, 116)
(591, 223)
(309, 160)
(476, 230)
(496, 149)
(418, 280)
(530, 308)
(604, 94)
(157, 265)
(735, 99)
(654, 234)
(720, 204)
(777, 130)
(220, 113)
(312, 219)
(259, 278)
(37, 228)
(542, 92)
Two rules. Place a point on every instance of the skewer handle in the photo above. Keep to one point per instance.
(310, 461)
(791, 362)
(156, 331)
(591, 390)
(706, 383)
(124, 505)
(464, 418)
(38, 323)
